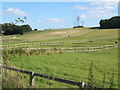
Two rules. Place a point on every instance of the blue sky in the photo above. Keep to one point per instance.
(52, 15)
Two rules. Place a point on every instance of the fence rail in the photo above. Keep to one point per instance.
(67, 49)
(32, 74)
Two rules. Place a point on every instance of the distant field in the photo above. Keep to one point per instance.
(77, 38)
(62, 34)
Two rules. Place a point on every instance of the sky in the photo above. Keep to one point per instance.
(55, 15)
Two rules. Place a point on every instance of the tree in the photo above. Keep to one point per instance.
(12, 28)
(35, 29)
(113, 22)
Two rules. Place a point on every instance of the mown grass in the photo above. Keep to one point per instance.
(71, 66)
(108, 36)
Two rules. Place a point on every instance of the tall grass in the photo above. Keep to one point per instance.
(12, 79)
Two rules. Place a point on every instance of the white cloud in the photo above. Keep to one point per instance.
(95, 12)
(100, 13)
(105, 8)
(52, 20)
(14, 11)
(103, 15)
(102, 9)
(80, 7)
(99, 9)
(104, 3)
(83, 16)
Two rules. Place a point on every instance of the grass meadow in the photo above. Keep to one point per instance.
(74, 66)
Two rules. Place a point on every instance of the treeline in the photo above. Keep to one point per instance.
(77, 26)
(11, 29)
(113, 22)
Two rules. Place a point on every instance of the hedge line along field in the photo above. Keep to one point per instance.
(70, 66)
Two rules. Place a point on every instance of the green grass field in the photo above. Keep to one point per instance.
(72, 66)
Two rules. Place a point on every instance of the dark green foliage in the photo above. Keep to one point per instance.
(26, 28)
(113, 22)
(94, 27)
(0, 29)
(77, 26)
(35, 29)
(11, 29)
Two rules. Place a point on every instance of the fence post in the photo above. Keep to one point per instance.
(32, 79)
(81, 85)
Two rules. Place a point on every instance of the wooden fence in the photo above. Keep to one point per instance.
(66, 49)
(32, 74)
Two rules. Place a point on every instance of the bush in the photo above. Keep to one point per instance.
(35, 29)
(11, 29)
(77, 26)
(113, 22)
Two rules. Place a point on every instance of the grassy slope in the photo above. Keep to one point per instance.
(71, 66)
(99, 36)
(62, 34)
